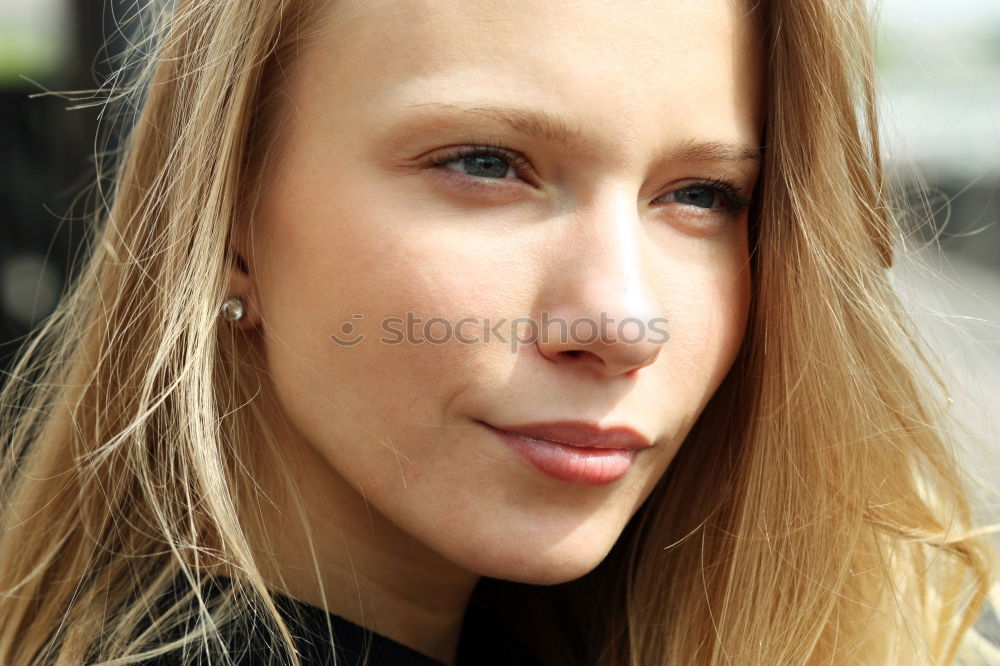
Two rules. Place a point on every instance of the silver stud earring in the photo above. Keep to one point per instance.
(233, 309)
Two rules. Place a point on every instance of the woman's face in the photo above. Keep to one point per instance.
(620, 142)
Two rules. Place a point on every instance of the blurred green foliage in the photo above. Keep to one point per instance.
(26, 54)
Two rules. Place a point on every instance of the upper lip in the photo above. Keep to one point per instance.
(578, 433)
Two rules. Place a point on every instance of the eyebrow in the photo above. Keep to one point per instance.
(544, 125)
(717, 151)
(537, 123)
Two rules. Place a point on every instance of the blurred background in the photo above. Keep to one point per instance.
(46, 151)
(939, 69)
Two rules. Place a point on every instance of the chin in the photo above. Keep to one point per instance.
(556, 564)
(546, 571)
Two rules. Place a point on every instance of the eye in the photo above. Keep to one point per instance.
(483, 162)
(721, 195)
(481, 165)
(702, 197)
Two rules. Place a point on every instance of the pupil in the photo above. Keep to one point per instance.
(487, 166)
(697, 196)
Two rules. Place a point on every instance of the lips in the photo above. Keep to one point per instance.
(577, 433)
(573, 452)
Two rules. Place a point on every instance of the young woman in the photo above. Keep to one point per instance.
(488, 332)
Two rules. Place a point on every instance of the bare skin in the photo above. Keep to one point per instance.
(409, 496)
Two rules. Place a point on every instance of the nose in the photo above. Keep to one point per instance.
(600, 310)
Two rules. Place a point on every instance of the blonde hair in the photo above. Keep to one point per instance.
(816, 513)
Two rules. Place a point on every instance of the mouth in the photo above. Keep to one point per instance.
(575, 453)
(580, 434)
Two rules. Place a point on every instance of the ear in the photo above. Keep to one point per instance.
(242, 284)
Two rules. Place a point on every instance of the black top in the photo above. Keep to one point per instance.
(249, 645)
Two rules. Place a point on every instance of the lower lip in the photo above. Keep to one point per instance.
(581, 466)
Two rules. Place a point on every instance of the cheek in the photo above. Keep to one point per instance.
(318, 268)
(727, 306)
(708, 310)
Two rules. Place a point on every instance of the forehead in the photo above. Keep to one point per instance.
(624, 66)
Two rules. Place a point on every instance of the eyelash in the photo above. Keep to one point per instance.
(488, 149)
(732, 200)
(729, 193)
